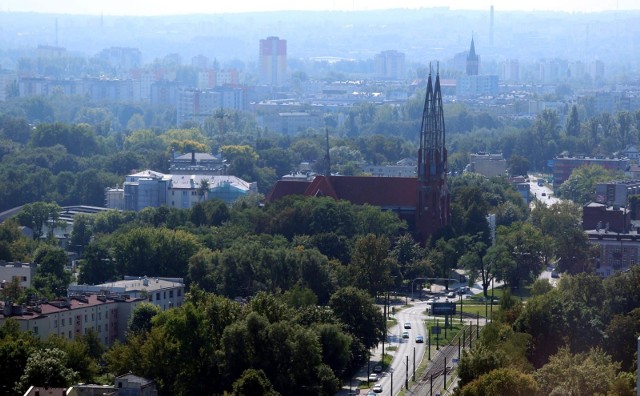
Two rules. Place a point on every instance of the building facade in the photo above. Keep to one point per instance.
(272, 61)
(487, 164)
(73, 317)
(563, 166)
(389, 65)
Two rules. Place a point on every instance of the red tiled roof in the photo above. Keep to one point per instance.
(387, 192)
(287, 187)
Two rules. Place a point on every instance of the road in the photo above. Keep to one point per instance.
(416, 316)
(542, 193)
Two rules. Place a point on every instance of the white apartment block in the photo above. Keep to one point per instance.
(164, 292)
(23, 271)
(73, 317)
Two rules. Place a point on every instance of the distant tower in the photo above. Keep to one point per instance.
(491, 28)
(473, 61)
(433, 211)
(273, 61)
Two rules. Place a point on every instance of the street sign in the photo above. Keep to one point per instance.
(435, 329)
(443, 308)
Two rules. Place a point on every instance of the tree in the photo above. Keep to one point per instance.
(580, 186)
(370, 266)
(38, 215)
(140, 321)
(81, 232)
(524, 244)
(46, 368)
(356, 309)
(97, 266)
(588, 373)
(502, 382)
(253, 383)
(573, 122)
(517, 165)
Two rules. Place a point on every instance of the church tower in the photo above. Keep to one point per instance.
(433, 211)
(473, 61)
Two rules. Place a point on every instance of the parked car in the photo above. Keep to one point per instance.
(371, 393)
(377, 368)
(407, 325)
(419, 339)
(377, 388)
(373, 377)
(451, 295)
(405, 334)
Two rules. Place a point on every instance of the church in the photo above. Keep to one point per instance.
(422, 201)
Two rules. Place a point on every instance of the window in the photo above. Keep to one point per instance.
(157, 296)
(55, 323)
(69, 334)
(164, 294)
(35, 330)
(93, 316)
(170, 293)
(99, 315)
(179, 292)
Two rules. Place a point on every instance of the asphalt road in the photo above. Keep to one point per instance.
(405, 347)
(537, 191)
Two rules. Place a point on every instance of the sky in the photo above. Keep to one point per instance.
(173, 7)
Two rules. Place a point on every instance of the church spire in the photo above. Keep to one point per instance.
(473, 60)
(433, 210)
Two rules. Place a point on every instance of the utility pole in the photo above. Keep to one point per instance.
(391, 390)
(414, 364)
(406, 381)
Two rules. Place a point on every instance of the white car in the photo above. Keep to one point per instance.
(451, 295)
(373, 377)
(405, 334)
(407, 325)
(377, 388)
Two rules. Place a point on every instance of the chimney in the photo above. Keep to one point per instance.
(193, 157)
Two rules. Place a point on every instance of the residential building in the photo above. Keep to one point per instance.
(197, 164)
(487, 164)
(25, 272)
(165, 93)
(389, 65)
(563, 166)
(472, 86)
(132, 385)
(617, 192)
(114, 198)
(7, 79)
(617, 251)
(631, 152)
(197, 105)
(164, 292)
(45, 391)
(290, 123)
(72, 317)
(122, 58)
(407, 167)
(272, 61)
(182, 191)
(598, 216)
(144, 189)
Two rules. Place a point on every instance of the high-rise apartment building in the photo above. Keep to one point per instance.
(273, 61)
(389, 65)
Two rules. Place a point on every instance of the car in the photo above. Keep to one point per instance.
(377, 388)
(377, 368)
(407, 325)
(405, 334)
(451, 295)
(371, 393)
(544, 194)
(419, 339)
(373, 377)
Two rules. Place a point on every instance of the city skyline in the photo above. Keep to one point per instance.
(164, 7)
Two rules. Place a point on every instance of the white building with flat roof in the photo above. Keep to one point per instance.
(164, 292)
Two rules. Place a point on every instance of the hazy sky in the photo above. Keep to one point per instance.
(169, 7)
